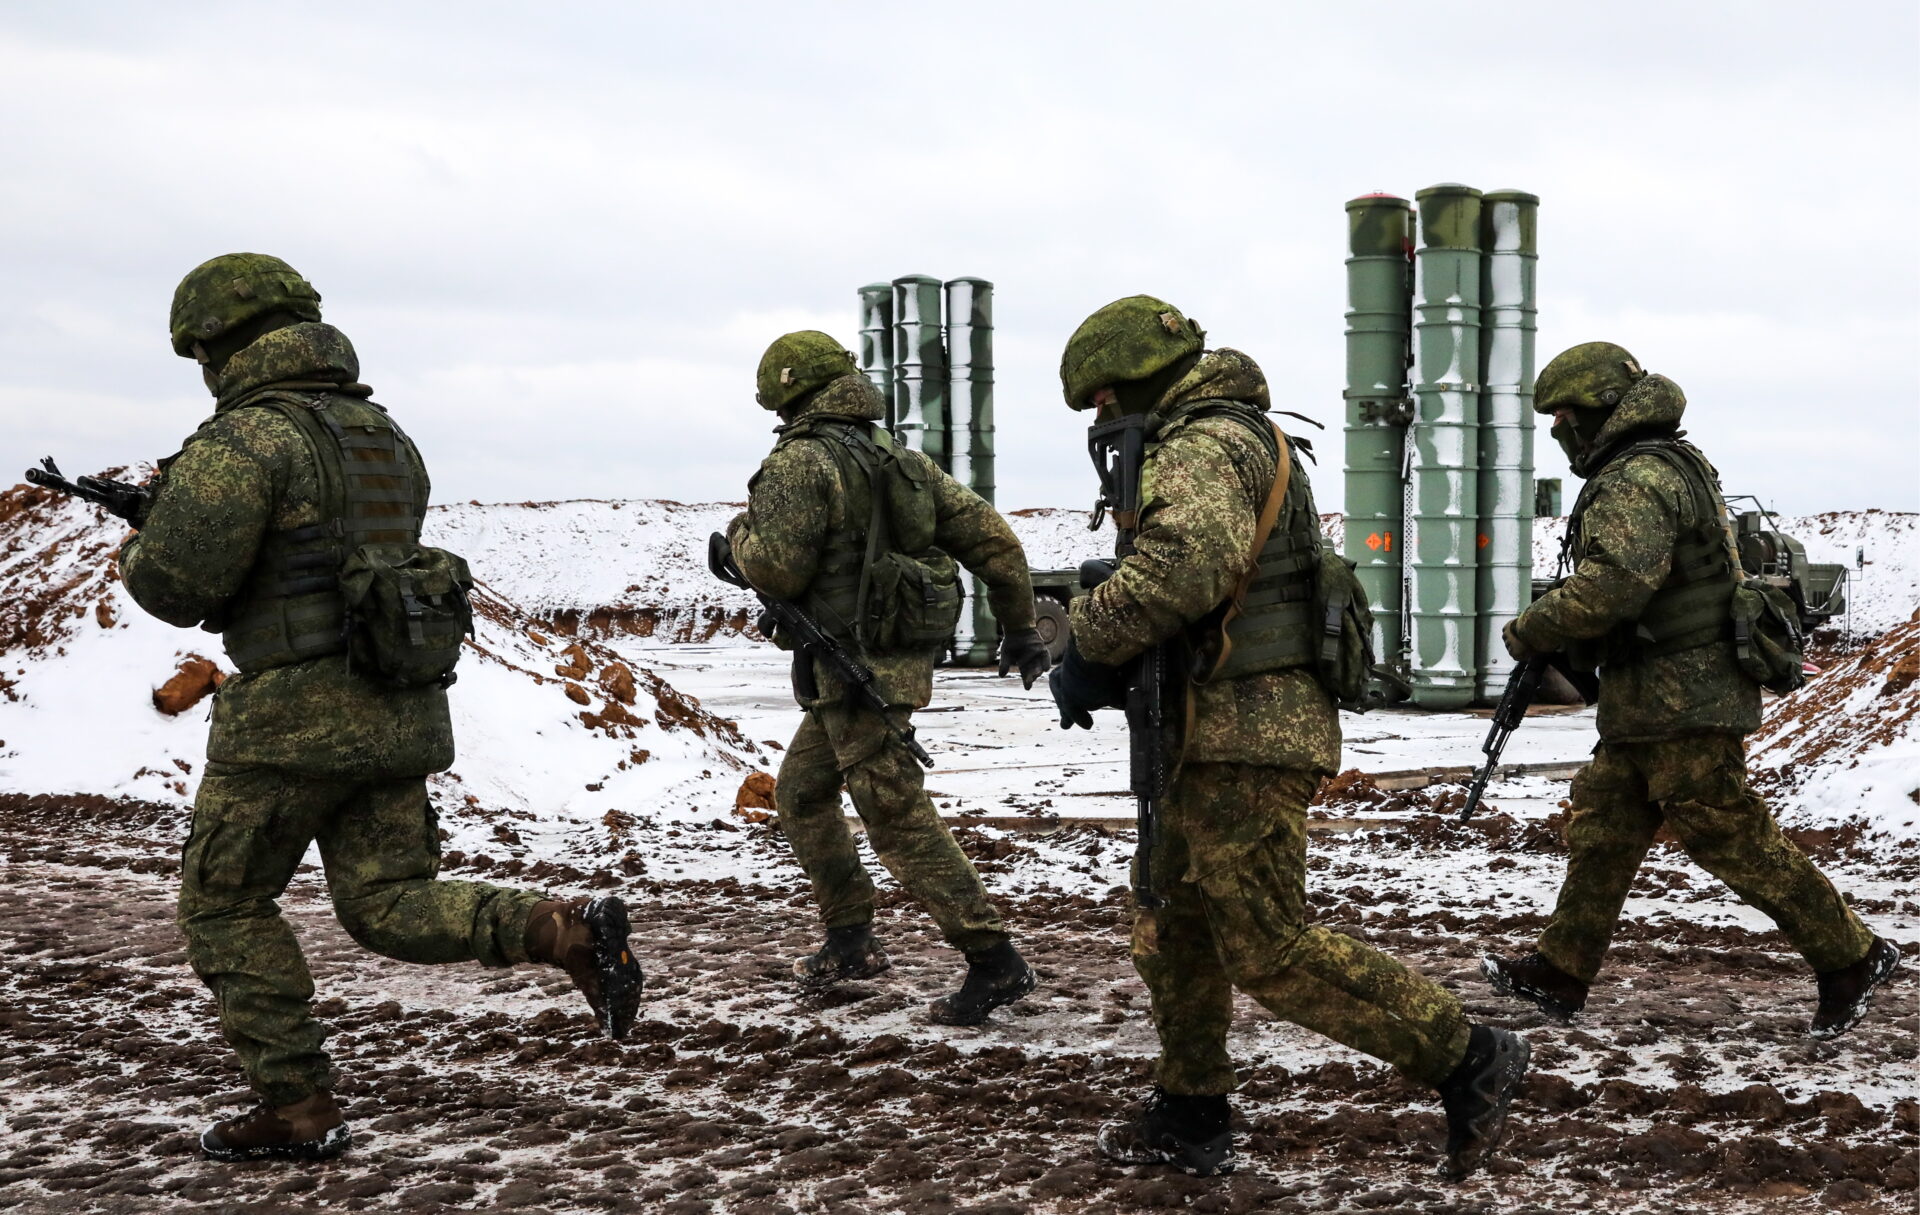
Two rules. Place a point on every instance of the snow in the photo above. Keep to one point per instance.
(626, 582)
(77, 712)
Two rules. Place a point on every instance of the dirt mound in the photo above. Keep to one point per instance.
(1846, 747)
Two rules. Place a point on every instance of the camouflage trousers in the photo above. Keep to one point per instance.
(840, 745)
(1698, 787)
(1230, 867)
(379, 841)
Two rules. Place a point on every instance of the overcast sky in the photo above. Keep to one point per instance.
(561, 234)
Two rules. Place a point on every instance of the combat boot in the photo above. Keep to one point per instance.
(849, 953)
(587, 938)
(1190, 1133)
(1532, 977)
(312, 1128)
(1844, 993)
(995, 976)
(1476, 1095)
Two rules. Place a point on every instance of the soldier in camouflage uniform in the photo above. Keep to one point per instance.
(1229, 859)
(864, 534)
(245, 537)
(1647, 603)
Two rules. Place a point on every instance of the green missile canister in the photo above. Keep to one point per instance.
(969, 310)
(1506, 498)
(1378, 407)
(919, 366)
(876, 339)
(1444, 449)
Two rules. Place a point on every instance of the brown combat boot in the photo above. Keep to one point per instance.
(1532, 977)
(312, 1128)
(587, 938)
(1844, 993)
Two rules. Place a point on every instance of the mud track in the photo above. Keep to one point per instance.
(1687, 1086)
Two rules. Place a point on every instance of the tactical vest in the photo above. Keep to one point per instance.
(1691, 608)
(1275, 628)
(881, 582)
(291, 608)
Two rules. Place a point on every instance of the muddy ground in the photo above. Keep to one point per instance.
(1687, 1086)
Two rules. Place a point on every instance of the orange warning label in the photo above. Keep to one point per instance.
(1484, 542)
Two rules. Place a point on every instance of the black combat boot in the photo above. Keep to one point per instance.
(1189, 1133)
(850, 953)
(1476, 1095)
(1844, 993)
(1532, 977)
(587, 938)
(995, 976)
(312, 1128)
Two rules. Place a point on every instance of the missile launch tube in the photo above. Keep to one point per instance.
(970, 435)
(919, 366)
(1507, 231)
(876, 340)
(1444, 456)
(1379, 318)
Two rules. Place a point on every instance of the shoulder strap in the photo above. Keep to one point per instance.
(1262, 532)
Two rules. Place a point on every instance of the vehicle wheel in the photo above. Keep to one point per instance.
(1050, 618)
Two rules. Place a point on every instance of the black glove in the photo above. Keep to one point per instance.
(1023, 648)
(1079, 687)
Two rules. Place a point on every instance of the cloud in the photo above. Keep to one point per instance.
(560, 236)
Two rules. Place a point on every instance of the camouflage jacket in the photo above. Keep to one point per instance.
(246, 471)
(1202, 487)
(1623, 551)
(796, 499)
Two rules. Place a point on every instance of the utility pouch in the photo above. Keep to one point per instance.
(1766, 636)
(912, 604)
(407, 612)
(1343, 632)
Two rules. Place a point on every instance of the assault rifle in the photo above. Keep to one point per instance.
(809, 639)
(1522, 686)
(1118, 449)
(118, 498)
(1507, 716)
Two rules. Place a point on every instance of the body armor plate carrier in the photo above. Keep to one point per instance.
(1691, 608)
(292, 608)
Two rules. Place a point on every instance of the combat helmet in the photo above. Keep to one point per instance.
(220, 295)
(797, 364)
(1129, 339)
(1592, 375)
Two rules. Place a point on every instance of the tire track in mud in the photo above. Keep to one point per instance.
(1688, 1086)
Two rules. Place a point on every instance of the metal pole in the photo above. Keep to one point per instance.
(919, 366)
(876, 340)
(970, 448)
(1379, 307)
(1508, 220)
(1445, 447)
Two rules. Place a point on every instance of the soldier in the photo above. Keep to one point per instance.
(247, 534)
(864, 534)
(1648, 604)
(1229, 857)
